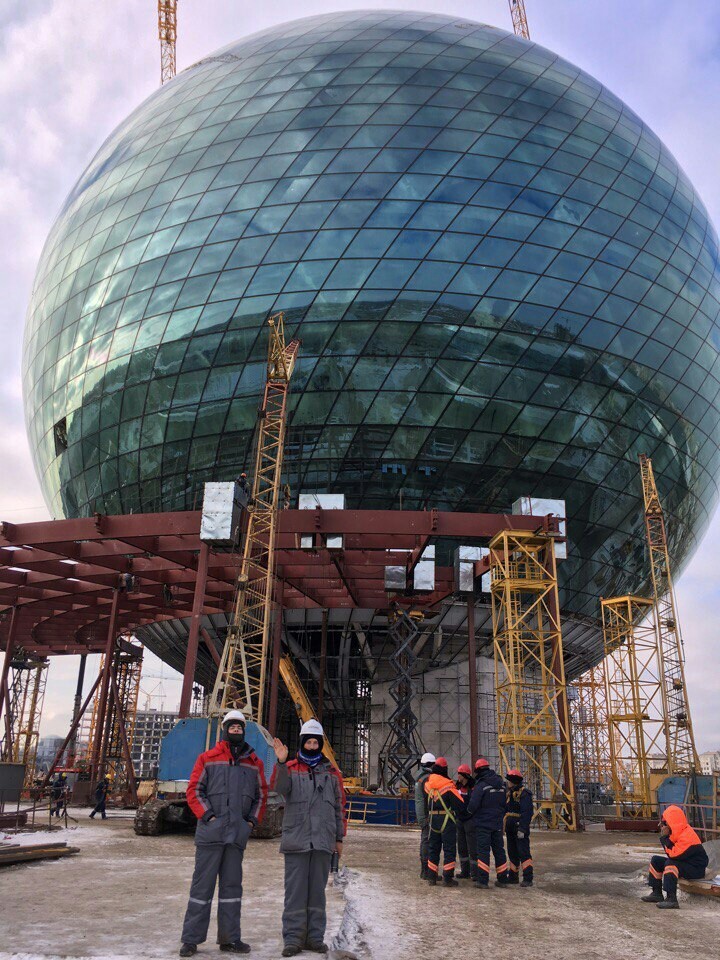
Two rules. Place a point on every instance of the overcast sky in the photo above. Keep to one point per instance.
(70, 70)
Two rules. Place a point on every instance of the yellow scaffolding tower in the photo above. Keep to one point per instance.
(636, 715)
(590, 730)
(681, 753)
(532, 711)
(26, 688)
(167, 33)
(241, 677)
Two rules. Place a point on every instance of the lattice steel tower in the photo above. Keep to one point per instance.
(681, 753)
(636, 715)
(590, 731)
(26, 690)
(532, 710)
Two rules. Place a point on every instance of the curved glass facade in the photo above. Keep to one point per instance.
(503, 282)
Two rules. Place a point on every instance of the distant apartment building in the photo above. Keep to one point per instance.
(150, 728)
(710, 762)
(46, 751)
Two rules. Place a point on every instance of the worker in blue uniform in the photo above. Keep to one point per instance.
(517, 829)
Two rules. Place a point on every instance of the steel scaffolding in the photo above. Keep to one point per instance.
(681, 753)
(533, 722)
(28, 678)
(591, 733)
(399, 758)
(634, 691)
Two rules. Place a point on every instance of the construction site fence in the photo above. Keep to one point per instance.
(18, 814)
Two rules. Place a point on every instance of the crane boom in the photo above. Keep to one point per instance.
(241, 677)
(681, 753)
(167, 32)
(519, 18)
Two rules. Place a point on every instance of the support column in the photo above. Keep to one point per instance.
(194, 634)
(323, 665)
(4, 688)
(104, 687)
(472, 680)
(124, 741)
(276, 655)
(73, 728)
(72, 746)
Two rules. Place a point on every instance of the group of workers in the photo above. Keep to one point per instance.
(470, 817)
(227, 792)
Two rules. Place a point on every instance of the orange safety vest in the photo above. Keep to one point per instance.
(682, 835)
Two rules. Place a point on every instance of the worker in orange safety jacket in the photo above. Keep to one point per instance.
(445, 808)
(686, 858)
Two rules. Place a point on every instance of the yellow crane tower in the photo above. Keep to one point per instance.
(167, 32)
(241, 676)
(681, 753)
(519, 18)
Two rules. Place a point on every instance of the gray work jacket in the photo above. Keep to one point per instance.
(314, 806)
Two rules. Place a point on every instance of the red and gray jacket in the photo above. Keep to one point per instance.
(314, 817)
(233, 792)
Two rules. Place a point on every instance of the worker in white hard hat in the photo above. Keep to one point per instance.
(313, 829)
(421, 810)
(227, 792)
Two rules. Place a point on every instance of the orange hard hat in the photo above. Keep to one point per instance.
(441, 762)
(464, 768)
(514, 773)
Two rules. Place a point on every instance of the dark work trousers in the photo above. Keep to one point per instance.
(442, 839)
(213, 861)
(467, 852)
(664, 874)
(487, 840)
(518, 854)
(424, 838)
(100, 808)
(304, 918)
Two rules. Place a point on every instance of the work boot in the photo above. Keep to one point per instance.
(668, 904)
(432, 878)
(291, 950)
(424, 872)
(654, 897)
(450, 882)
(316, 947)
(464, 873)
(501, 883)
(237, 946)
(188, 949)
(526, 883)
(480, 885)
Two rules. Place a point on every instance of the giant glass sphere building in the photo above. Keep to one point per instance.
(503, 282)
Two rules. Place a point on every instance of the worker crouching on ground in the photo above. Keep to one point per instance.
(421, 810)
(686, 858)
(445, 808)
(467, 854)
(227, 792)
(313, 829)
(487, 811)
(517, 829)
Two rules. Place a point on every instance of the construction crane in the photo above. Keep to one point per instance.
(681, 753)
(519, 18)
(167, 32)
(241, 676)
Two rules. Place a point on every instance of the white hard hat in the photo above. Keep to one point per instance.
(427, 758)
(234, 716)
(311, 728)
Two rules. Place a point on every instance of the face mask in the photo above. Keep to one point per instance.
(235, 739)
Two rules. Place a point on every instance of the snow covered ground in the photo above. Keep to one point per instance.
(124, 896)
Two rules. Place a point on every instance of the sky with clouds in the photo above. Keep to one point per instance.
(70, 70)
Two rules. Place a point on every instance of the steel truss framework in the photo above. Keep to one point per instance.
(26, 690)
(126, 672)
(681, 753)
(401, 752)
(533, 721)
(242, 676)
(591, 732)
(167, 33)
(634, 694)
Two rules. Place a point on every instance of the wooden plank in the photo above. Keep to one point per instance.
(703, 888)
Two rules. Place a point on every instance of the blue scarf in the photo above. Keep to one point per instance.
(310, 761)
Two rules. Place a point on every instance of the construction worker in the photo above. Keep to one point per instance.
(445, 808)
(487, 811)
(313, 830)
(465, 830)
(227, 792)
(101, 792)
(686, 858)
(58, 795)
(421, 810)
(517, 829)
